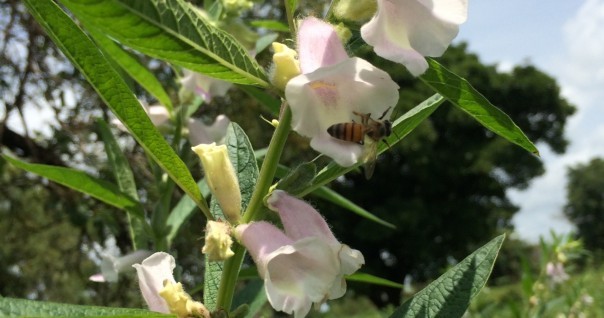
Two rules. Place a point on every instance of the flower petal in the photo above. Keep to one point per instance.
(404, 31)
(151, 275)
(299, 275)
(111, 266)
(318, 45)
(200, 133)
(331, 95)
(158, 114)
(300, 220)
(261, 239)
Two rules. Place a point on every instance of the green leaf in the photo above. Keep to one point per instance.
(182, 211)
(374, 280)
(253, 294)
(270, 102)
(82, 182)
(335, 198)
(132, 66)
(265, 41)
(211, 283)
(12, 307)
(174, 31)
(451, 293)
(298, 178)
(273, 25)
(459, 92)
(113, 90)
(243, 159)
(293, 4)
(401, 128)
(125, 181)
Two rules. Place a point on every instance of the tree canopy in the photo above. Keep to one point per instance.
(585, 202)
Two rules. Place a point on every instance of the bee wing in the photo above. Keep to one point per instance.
(370, 156)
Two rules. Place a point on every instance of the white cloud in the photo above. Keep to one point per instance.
(579, 68)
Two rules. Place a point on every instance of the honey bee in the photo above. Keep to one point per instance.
(369, 132)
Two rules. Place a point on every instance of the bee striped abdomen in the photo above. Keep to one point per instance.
(352, 132)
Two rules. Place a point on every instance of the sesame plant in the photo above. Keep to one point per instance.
(315, 87)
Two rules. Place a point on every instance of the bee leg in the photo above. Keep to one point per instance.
(384, 114)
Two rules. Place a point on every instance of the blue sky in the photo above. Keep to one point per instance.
(566, 40)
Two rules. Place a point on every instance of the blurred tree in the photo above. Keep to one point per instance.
(585, 206)
(444, 187)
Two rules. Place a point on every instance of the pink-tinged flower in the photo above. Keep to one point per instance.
(112, 266)
(404, 31)
(204, 86)
(152, 273)
(331, 88)
(556, 272)
(200, 133)
(305, 264)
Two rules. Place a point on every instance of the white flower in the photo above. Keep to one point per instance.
(111, 266)
(332, 87)
(204, 86)
(556, 272)
(304, 265)
(152, 273)
(404, 31)
(161, 292)
(200, 133)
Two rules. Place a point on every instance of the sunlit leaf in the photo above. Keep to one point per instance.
(82, 52)
(174, 31)
(459, 92)
(133, 67)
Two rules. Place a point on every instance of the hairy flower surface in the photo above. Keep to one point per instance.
(405, 31)
(218, 241)
(332, 87)
(303, 265)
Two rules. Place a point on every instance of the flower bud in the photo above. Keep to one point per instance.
(221, 178)
(218, 241)
(285, 65)
(355, 10)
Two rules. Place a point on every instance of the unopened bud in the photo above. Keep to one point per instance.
(355, 10)
(285, 65)
(218, 241)
(221, 178)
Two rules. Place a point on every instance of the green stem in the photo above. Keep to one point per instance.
(269, 166)
(289, 11)
(231, 267)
